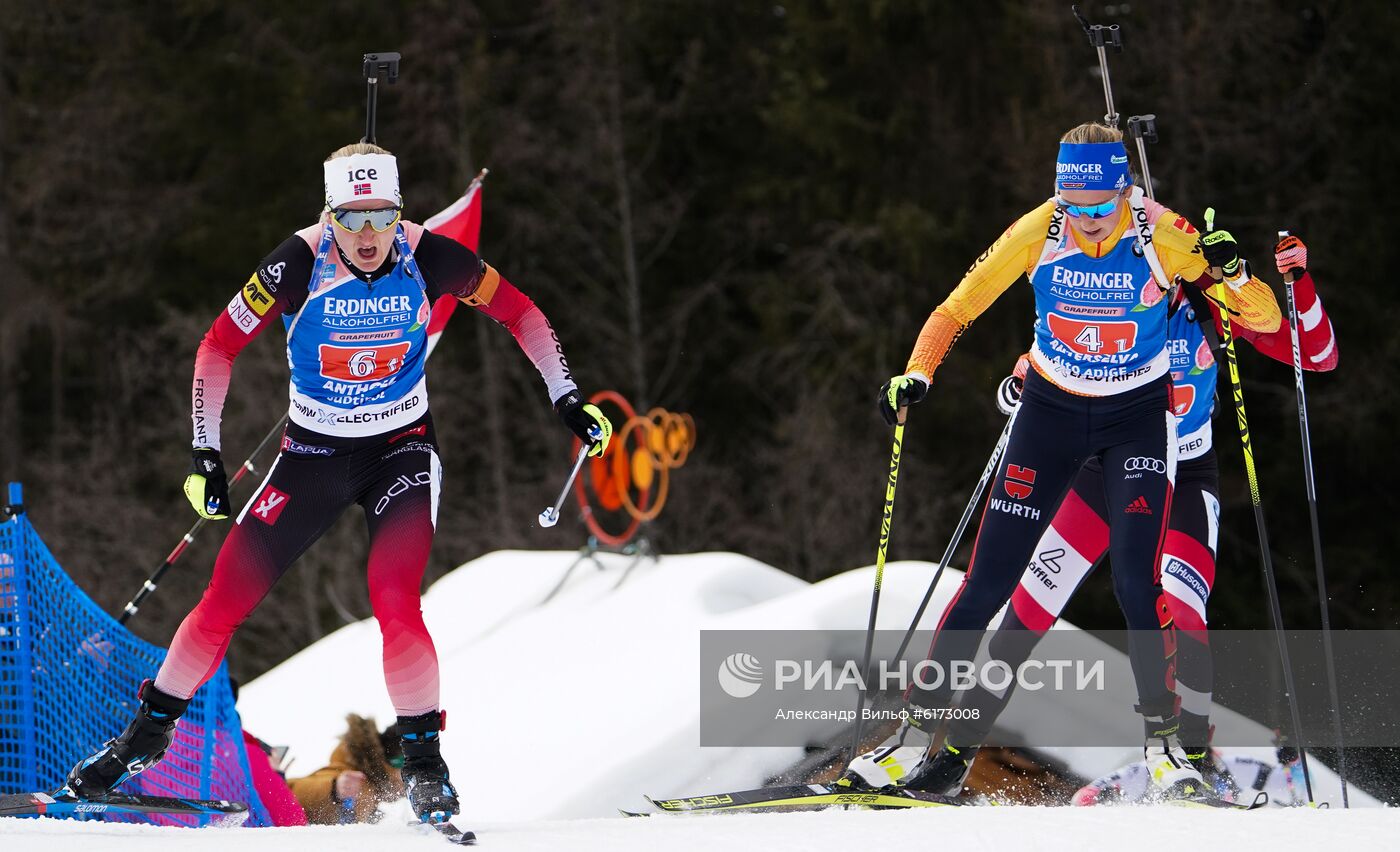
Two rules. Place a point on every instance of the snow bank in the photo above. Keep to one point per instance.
(586, 696)
(593, 695)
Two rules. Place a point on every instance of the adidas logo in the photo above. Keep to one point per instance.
(1139, 506)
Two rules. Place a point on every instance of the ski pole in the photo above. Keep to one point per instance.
(550, 516)
(149, 586)
(1265, 558)
(885, 520)
(1143, 129)
(1101, 38)
(375, 66)
(987, 473)
(1293, 322)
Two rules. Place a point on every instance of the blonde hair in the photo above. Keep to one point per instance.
(367, 148)
(1092, 131)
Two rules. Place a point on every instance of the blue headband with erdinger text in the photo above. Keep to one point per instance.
(1092, 166)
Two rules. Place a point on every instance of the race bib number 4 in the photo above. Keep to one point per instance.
(362, 363)
(1094, 337)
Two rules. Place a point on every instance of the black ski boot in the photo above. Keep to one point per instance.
(430, 793)
(138, 748)
(944, 772)
(1216, 775)
(1196, 735)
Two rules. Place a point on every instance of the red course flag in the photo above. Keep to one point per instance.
(461, 221)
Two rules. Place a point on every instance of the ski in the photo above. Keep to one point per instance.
(1260, 800)
(453, 834)
(59, 804)
(804, 796)
(449, 832)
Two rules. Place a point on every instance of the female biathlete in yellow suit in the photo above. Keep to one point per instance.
(1100, 257)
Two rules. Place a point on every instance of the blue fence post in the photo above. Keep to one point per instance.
(18, 745)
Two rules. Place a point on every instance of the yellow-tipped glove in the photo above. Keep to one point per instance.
(1220, 248)
(899, 392)
(207, 485)
(585, 420)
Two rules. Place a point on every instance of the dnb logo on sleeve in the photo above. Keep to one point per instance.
(250, 304)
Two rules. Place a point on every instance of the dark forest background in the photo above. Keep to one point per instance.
(742, 210)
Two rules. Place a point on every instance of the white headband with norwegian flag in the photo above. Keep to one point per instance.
(362, 177)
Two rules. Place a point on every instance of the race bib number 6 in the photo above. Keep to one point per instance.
(362, 363)
(1094, 337)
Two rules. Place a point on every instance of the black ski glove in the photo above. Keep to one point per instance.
(207, 485)
(1220, 248)
(585, 420)
(897, 393)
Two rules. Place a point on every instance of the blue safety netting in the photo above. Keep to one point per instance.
(68, 679)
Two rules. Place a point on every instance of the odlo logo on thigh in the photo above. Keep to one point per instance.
(269, 505)
(400, 485)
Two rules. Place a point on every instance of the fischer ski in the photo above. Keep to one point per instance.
(804, 796)
(65, 804)
(1260, 800)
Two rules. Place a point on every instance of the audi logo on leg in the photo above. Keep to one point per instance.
(1141, 463)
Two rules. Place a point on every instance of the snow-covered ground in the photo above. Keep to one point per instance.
(560, 712)
(961, 829)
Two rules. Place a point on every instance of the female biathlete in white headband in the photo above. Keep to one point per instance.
(1099, 256)
(354, 292)
(1077, 538)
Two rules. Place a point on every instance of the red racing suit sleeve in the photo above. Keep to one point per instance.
(531, 330)
(1317, 342)
(455, 270)
(278, 284)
